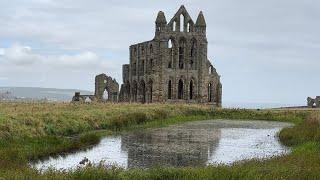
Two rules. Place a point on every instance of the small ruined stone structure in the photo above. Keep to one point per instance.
(173, 67)
(313, 102)
(106, 90)
(82, 98)
(105, 85)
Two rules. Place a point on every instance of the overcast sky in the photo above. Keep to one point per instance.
(265, 51)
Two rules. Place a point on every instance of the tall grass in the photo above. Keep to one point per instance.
(308, 130)
(30, 131)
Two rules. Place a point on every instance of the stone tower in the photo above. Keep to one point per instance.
(173, 67)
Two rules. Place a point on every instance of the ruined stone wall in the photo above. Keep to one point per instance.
(106, 86)
(83, 98)
(313, 102)
(173, 67)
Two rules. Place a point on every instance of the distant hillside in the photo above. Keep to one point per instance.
(36, 93)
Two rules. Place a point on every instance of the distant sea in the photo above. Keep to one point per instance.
(54, 94)
(37, 93)
(258, 105)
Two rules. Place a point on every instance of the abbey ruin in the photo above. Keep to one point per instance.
(172, 67)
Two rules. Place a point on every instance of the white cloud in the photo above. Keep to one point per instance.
(20, 55)
(25, 66)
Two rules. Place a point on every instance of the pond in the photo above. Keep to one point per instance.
(196, 143)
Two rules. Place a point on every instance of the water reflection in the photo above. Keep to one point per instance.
(189, 144)
(174, 146)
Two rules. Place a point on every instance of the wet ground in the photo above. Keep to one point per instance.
(190, 144)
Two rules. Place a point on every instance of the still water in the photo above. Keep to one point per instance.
(190, 144)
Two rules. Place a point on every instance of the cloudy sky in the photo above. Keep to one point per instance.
(266, 51)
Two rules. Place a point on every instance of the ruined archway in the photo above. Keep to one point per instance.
(106, 88)
(105, 96)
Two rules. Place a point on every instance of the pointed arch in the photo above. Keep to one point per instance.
(210, 88)
(193, 54)
(210, 69)
(191, 89)
(134, 68)
(169, 89)
(105, 95)
(141, 68)
(171, 46)
(170, 43)
(151, 49)
(180, 89)
(182, 45)
(174, 26)
(181, 23)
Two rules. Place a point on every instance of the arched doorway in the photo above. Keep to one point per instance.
(105, 96)
(180, 89)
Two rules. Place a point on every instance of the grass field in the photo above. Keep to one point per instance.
(31, 131)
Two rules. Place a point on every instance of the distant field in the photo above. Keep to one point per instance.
(34, 130)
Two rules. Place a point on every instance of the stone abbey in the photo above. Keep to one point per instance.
(173, 67)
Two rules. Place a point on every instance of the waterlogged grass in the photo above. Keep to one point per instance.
(34, 131)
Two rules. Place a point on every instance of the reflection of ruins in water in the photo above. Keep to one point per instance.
(172, 146)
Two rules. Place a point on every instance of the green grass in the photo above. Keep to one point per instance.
(33, 131)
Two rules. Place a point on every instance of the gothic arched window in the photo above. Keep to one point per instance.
(170, 46)
(180, 89)
(151, 49)
(170, 89)
(193, 54)
(181, 23)
(209, 92)
(181, 54)
(191, 90)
